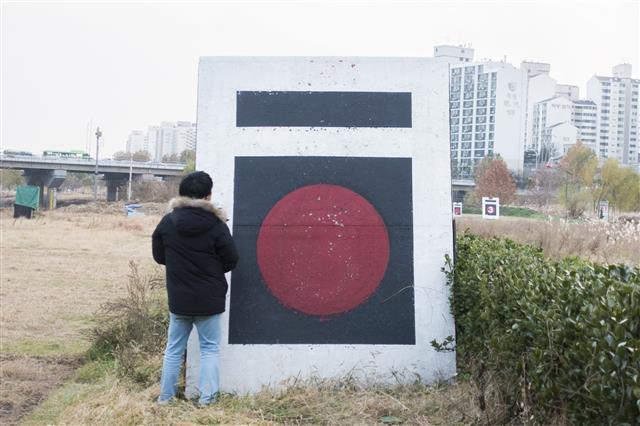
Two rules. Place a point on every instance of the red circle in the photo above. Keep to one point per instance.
(322, 249)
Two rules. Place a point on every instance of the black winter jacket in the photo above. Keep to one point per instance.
(194, 243)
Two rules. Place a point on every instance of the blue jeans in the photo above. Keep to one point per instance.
(209, 333)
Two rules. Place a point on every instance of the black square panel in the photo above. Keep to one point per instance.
(326, 251)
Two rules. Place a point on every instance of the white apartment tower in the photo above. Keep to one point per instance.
(486, 110)
(578, 120)
(551, 122)
(540, 87)
(167, 139)
(137, 141)
(171, 138)
(585, 118)
(617, 103)
(185, 136)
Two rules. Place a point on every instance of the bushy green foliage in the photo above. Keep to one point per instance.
(618, 185)
(10, 179)
(564, 336)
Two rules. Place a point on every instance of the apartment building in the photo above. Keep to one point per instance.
(616, 100)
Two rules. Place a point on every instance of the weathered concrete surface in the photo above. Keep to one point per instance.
(423, 139)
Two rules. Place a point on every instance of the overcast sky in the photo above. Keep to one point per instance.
(125, 66)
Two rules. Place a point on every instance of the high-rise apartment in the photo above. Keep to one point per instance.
(585, 118)
(548, 118)
(540, 86)
(487, 101)
(137, 141)
(616, 98)
(578, 120)
(167, 139)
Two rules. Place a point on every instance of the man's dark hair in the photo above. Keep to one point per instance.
(196, 185)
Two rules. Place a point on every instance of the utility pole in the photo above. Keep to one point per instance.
(130, 176)
(95, 176)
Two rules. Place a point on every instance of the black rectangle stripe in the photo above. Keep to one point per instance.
(323, 109)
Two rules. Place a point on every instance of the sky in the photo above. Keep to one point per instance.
(124, 66)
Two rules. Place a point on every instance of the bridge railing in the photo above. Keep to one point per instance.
(90, 161)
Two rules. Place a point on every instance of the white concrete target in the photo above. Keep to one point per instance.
(335, 174)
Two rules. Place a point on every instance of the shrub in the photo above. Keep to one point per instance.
(158, 191)
(132, 330)
(563, 336)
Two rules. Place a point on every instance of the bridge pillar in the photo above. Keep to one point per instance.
(116, 186)
(457, 195)
(50, 179)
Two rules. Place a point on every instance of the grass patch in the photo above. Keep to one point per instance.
(94, 371)
(45, 347)
(315, 401)
(88, 381)
(70, 395)
(522, 212)
(508, 211)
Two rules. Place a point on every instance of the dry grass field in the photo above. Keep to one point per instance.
(55, 271)
(344, 402)
(58, 269)
(613, 242)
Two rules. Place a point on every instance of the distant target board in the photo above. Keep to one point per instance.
(335, 175)
(457, 209)
(490, 208)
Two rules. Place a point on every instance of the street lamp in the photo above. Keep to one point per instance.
(95, 175)
(130, 176)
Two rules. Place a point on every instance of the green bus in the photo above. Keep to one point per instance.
(74, 153)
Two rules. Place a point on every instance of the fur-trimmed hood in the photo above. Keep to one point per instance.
(182, 202)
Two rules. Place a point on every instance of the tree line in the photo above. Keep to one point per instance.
(143, 155)
(577, 182)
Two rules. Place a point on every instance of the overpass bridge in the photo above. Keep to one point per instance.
(459, 188)
(50, 172)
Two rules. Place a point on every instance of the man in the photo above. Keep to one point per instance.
(194, 243)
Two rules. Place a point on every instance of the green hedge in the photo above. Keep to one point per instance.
(564, 335)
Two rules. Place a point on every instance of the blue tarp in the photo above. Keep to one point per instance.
(133, 210)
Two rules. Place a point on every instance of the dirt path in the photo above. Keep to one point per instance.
(27, 380)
